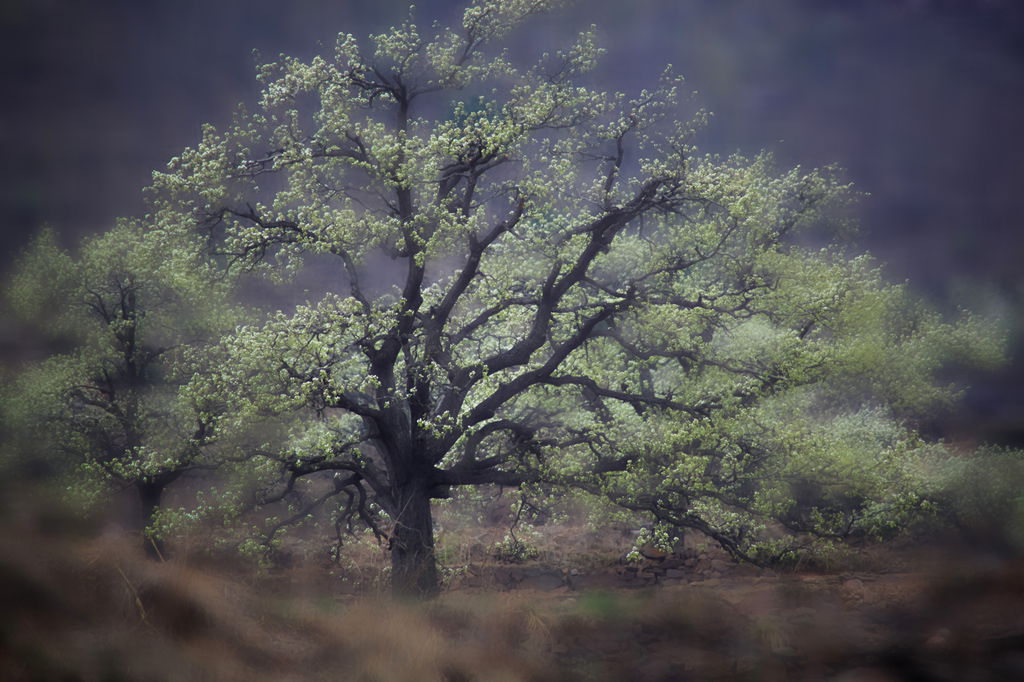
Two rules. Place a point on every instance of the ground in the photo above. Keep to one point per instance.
(84, 604)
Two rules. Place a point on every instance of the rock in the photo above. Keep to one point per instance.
(542, 581)
(746, 570)
(866, 675)
(501, 576)
(939, 639)
(591, 581)
(653, 552)
(854, 588)
(675, 573)
(803, 615)
(507, 577)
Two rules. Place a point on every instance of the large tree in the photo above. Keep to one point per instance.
(538, 281)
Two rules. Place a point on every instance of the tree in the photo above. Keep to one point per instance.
(132, 319)
(544, 282)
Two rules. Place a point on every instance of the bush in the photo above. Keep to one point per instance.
(981, 495)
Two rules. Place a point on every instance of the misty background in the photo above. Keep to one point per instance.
(920, 101)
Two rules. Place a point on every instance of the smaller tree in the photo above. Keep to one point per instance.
(132, 319)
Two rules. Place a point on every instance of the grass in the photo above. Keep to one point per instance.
(79, 604)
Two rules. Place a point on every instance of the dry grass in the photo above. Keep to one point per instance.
(78, 604)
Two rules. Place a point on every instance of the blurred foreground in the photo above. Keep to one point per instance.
(79, 604)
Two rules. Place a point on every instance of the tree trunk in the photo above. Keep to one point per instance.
(150, 495)
(413, 564)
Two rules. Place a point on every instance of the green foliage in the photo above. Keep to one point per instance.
(577, 296)
(112, 408)
(657, 537)
(514, 550)
(980, 494)
(544, 285)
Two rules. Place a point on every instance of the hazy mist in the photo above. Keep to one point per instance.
(919, 100)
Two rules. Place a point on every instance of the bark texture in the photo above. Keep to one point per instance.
(413, 565)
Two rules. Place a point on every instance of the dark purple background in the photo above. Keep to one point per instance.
(921, 101)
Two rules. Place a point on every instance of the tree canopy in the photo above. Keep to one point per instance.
(534, 281)
(137, 321)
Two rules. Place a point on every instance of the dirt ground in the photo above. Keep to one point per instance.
(88, 606)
